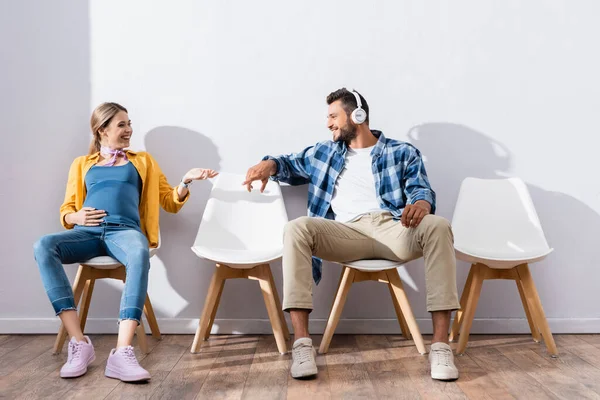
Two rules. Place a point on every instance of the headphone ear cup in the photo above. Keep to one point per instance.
(358, 116)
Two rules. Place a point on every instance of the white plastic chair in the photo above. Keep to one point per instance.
(101, 268)
(373, 270)
(497, 230)
(242, 233)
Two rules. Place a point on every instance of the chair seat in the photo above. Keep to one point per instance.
(107, 262)
(373, 265)
(504, 259)
(237, 258)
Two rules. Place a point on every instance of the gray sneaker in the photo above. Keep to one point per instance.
(442, 362)
(303, 355)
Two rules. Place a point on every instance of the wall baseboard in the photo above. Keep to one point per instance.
(317, 326)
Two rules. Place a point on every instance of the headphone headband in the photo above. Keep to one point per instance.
(358, 102)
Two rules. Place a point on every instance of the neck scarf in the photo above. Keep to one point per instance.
(107, 152)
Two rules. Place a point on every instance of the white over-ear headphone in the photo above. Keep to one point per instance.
(359, 115)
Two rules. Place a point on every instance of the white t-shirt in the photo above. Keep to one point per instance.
(354, 193)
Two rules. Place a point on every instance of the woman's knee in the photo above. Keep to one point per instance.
(44, 247)
(139, 256)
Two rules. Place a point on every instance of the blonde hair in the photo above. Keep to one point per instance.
(101, 118)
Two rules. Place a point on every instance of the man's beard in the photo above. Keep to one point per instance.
(347, 134)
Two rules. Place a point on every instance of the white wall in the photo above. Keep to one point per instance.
(483, 88)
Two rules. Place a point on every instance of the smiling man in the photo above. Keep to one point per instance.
(368, 198)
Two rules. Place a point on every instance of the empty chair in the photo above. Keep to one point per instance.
(373, 270)
(497, 230)
(105, 267)
(242, 233)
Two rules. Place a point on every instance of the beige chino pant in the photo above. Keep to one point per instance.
(372, 236)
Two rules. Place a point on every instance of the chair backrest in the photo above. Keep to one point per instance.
(496, 218)
(238, 220)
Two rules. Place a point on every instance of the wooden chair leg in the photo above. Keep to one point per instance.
(60, 339)
(286, 331)
(141, 337)
(210, 306)
(213, 313)
(338, 306)
(78, 286)
(151, 318)
(470, 307)
(399, 315)
(463, 303)
(532, 327)
(398, 288)
(85, 302)
(537, 311)
(267, 286)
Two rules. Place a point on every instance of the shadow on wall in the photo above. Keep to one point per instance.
(454, 152)
(178, 150)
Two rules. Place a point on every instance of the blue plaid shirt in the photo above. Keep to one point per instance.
(400, 177)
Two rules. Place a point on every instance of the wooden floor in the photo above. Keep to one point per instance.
(360, 366)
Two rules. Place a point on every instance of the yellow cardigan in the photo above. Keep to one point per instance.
(155, 191)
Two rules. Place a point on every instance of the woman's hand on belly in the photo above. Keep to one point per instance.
(87, 216)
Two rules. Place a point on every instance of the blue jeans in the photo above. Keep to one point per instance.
(127, 245)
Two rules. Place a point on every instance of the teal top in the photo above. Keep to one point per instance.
(116, 190)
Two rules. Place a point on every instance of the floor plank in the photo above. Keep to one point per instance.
(570, 364)
(13, 342)
(546, 372)
(187, 377)
(577, 368)
(25, 350)
(229, 372)
(476, 383)
(268, 375)
(581, 348)
(348, 377)
(502, 370)
(387, 373)
(4, 338)
(591, 339)
(357, 366)
(9, 341)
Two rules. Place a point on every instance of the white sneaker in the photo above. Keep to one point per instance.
(442, 362)
(303, 355)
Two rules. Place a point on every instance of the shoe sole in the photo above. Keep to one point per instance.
(81, 374)
(109, 373)
(306, 374)
(442, 377)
